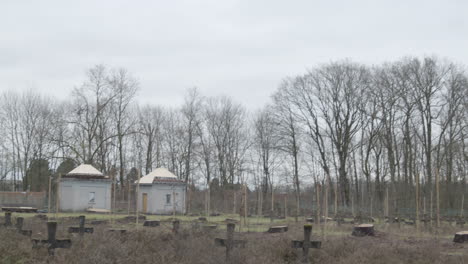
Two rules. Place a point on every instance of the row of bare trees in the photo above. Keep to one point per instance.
(391, 126)
(363, 137)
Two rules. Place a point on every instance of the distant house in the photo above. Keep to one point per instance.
(83, 188)
(161, 192)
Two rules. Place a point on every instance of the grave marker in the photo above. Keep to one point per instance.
(175, 226)
(81, 229)
(461, 237)
(306, 244)
(117, 230)
(277, 229)
(52, 242)
(363, 230)
(229, 243)
(7, 219)
(19, 227)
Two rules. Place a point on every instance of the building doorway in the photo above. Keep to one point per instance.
(145, 203)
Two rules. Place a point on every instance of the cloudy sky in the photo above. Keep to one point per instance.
(239, 48)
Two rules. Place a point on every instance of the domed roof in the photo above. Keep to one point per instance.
(159, 173)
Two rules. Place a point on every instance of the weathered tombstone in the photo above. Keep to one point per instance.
(229, 243)
(363, 230)
(151, 223)
(19, 227)
(306, 244)
(52, 242)
(81, 229)
(175, 226)
(461, 237)
(277, 229)
(117, 230)
(7, 219)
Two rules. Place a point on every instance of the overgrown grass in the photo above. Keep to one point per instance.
(392, 244)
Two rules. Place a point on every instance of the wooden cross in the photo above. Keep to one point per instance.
(51, 240)
(19, 227)
(306, 243)
(81, 229)
(229, 242)
(7, 219)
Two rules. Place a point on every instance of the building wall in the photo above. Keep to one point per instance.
(75, 194)
(30, 199)
(157, 198)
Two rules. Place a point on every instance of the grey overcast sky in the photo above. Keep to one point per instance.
(238, 48)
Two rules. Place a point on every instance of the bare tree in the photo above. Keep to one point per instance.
(288, 133)
(124, 86)
(90, 115)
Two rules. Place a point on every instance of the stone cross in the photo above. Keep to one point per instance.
(229, 242)
(306, 244)
(7, 219)
(81, 229)
(19, 227)
(52, 242)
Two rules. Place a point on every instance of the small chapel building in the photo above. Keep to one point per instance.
(160, 192)
(84, 188)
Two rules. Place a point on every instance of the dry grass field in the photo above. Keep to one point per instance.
(392, 244)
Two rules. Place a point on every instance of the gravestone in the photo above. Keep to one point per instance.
(306, 244)
(363, 230)
(461, 237)
(52, 242)
(229, 243)
(81, 229)
(19, 227)
(117, 230)
(175, 226)
(277, 229)
(7, 219)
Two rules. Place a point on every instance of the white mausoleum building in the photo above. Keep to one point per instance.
(160, 192)
(84, 188)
